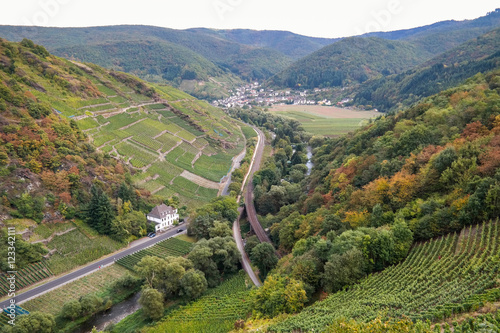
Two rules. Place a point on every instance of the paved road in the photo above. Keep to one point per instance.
(245, 261)
(141, 244)
(249, 204)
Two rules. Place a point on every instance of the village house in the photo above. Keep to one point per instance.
(163, 216)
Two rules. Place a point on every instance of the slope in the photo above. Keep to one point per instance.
(447, 70)
(292, 45)
(350, 61)
(441, 277)
(442, 36)
(157, 131)
(213, 56)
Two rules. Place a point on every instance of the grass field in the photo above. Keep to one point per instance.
(75, 249)
(324, 120)
(53, 301)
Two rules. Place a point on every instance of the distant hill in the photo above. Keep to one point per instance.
(350, 61)
(175, 56)
(442, 36)
(481, 54)
(290, 44)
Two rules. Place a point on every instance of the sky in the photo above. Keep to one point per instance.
(318, 18)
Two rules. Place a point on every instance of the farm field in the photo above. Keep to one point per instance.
(449, 275)
(75, 249)
(171, 247)
(26, 277)
(53, 301)
(215, 312)
(325, 120)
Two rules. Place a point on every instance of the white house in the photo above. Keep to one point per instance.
(163, 216)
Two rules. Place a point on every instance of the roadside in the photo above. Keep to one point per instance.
(79, 272)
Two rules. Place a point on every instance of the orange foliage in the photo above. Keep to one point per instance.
(402, 187)
(29, 95)
(65, 197)
(56, 181)
(74, 170)
(474, 130)
(457, 97)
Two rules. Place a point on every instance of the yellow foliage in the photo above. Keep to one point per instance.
(357, 219)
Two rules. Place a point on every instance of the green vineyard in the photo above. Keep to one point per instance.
(32, 274)
(171, 247)
(215, 312)
(453, 274)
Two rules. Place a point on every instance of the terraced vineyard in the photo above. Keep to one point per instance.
(32, 274)
(170, 247)
(156, 140)
(215, 312)
(142, 124)
(453, 274)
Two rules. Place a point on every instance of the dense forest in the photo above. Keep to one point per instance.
(394, 92)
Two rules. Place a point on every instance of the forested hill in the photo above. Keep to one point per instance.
(292, 45)
(391, 93)
(200, 61)
(442, 36)
(350, 61)
(354, 60)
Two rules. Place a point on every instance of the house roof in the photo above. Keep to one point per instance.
(162, 211)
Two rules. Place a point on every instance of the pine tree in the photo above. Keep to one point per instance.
(100, 212)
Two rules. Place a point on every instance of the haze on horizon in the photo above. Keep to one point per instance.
(312, 18)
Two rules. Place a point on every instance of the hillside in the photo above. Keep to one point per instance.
(158, 132)
(350, 61)
(445, 276)
(292, 45)
(161, 54)
(446, 70)
(443, 36)
(372, 198)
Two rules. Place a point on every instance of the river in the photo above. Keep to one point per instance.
(112, 316)
(309, 163)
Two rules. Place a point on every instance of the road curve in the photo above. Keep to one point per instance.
(245, 261)
(92, 267)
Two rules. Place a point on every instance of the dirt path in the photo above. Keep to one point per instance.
(200, 180)
(47, 240)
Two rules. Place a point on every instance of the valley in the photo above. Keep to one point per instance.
(237, 180)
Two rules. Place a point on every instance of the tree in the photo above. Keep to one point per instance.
(35, 322)
(220, 229)
(90, 304)
(193, 284)
(99, 212)
(71, 310)
(279, 295)
(251, 242)
(263, 255)
(403, 239)
(215, 256)
(150, 268)
(152, 303)
(342, 270)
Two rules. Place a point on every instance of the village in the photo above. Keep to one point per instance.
(255, 94)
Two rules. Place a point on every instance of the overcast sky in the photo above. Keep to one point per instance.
(319, 18)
